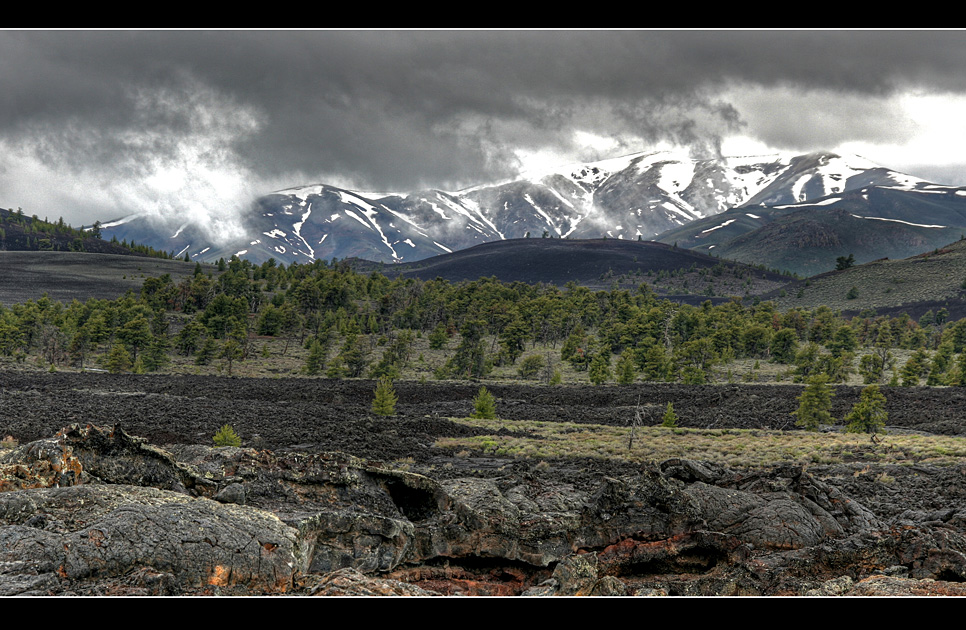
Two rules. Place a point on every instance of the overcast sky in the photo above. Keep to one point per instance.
(95, 125)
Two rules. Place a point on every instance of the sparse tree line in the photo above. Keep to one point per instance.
(19, 232)
(354, 325)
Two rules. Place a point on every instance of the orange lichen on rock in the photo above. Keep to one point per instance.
(220, 576)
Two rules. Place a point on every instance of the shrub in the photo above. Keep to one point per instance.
(531, 366)
(484, 405)
(226, 436)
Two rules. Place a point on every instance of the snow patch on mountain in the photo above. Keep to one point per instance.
(349, 212)
(675, 177)
(540, 211)
(297, 227)
(820, 202)
(923, 225)
(718, 227)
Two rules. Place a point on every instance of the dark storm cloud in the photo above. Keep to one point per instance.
(400, 110)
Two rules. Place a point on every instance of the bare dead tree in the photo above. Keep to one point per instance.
(638, 421)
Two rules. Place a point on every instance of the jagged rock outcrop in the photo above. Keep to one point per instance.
(97, 510)
(91, 531)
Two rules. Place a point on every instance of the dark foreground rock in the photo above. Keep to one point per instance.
(94, 510)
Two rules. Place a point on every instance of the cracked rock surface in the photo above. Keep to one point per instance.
(91, 509)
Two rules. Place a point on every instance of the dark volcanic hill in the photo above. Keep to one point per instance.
(594, 263)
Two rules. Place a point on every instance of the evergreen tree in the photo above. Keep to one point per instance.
(438, 338)
(814, 404)
(207, 351)
(869, 414)
(315, 361)
(226, 436)
(599, 370)
(784, 345)
(231, 351)
(484, 405)
(530, 366)
(118, 360)
(469, 360)
(670, 419)
(959, 371)
(871, 368)
(625, 368)
(384, 402)
(914, 368)
(658, 366)
(353, 356)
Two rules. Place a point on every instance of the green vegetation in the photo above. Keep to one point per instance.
(19, 232)
(670, 419)
(384, 401)
(869, 414)
(814, 404)
(843, 262)
(484, 405)
(226, 436)
(326, 319)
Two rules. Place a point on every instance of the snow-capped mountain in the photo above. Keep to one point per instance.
(636, 196)
(811, 215)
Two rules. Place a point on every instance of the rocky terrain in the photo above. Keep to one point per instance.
(324, 498)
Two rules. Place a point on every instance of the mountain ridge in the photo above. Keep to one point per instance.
(642, 195)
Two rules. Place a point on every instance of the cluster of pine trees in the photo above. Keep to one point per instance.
(365, 325)
(19, 232)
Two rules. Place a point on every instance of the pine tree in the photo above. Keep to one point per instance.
(625, 368)
(119, 359)
(670, 419)
(814, 404)
(207, 351)
(226, 436)
(599, 368)
(315, 361)
(230, 352)
(869, 414)
(484, 405)
(384, 402)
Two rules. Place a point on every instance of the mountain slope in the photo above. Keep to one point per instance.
(931, 280)
(635, 196)
(891, 221)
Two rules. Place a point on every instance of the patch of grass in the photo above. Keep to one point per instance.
(739, 448)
